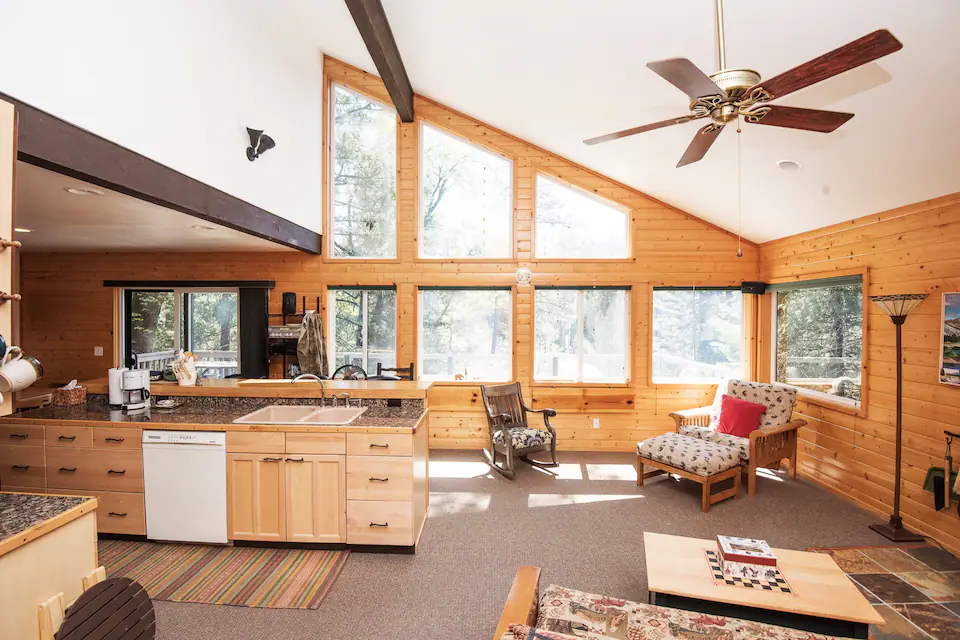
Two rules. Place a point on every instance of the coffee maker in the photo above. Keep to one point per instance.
(135, 389)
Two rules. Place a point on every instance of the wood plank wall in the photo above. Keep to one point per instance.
(67, 311)
(912, 249)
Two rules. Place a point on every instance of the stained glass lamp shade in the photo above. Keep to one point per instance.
(899, 305)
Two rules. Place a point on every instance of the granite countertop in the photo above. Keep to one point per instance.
(20, 511)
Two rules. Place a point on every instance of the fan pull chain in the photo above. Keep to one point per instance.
(739, 197)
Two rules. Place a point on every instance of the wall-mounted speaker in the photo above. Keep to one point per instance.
(757, 288)
(289, 304)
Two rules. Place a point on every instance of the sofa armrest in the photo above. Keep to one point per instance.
(523, 601)
(783, 428)
(699, 416)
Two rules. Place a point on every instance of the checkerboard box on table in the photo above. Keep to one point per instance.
(746, 558)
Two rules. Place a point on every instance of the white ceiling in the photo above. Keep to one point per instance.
(555, 72)
(62, 221)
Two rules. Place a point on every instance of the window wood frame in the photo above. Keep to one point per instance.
(330, 309)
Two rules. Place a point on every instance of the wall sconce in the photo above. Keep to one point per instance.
(259, 143)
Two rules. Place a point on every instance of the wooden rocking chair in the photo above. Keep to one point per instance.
(510, 433)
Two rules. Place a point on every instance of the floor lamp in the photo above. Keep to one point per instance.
(898, 306)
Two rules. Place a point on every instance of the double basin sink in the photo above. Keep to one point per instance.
(302, 414)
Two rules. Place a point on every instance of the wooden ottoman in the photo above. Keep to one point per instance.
(699, 460)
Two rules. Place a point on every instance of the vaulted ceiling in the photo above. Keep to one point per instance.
(555, 72)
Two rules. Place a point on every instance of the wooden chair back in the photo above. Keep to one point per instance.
(117, 608)
(504, 400)
(404, 373)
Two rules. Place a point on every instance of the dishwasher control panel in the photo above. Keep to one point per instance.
(214, 438)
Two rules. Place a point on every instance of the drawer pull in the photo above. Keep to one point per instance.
(379, 446)
(114, 471)
(379, 479)
(68, 469)
(20, 435)
(114, 440)
(21, 467)
(377, 524)
(294, 460)
(118, 515)
(69, 438)
(273, 459)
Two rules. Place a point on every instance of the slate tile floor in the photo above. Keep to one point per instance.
(915, 589)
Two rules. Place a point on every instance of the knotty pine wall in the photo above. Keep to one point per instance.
(912, 249)
(66, 310)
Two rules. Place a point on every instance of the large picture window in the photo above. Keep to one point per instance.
(697, 334)
(818, 336)
(571, 223)
(466, 208)
(364, 328)
(466, 334)
(581, 335)
(158, 322)
(364, 177)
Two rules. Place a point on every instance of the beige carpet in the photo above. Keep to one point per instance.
(584, 527)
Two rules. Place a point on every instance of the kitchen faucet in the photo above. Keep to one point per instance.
(323, 388)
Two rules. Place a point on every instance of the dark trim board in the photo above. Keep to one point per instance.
(174, 284)
(51, 143)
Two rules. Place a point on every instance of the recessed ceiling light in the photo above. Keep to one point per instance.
(22, 230)
(203, 227)
(83, 191)
(789, 165)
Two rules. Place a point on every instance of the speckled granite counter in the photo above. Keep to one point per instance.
(22, 513)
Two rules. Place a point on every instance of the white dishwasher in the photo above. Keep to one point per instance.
(185, 485)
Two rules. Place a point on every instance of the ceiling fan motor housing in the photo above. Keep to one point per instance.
(735, 82)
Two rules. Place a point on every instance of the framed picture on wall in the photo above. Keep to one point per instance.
(950, 340)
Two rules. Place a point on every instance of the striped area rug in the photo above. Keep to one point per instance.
(239, 576)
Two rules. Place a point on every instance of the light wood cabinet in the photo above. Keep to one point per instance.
(94, 469)
(315, 499)
(22, 466)
(255, 497)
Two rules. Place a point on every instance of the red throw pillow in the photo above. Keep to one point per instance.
(739, 417)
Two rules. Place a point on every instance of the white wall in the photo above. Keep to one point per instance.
(178, 81)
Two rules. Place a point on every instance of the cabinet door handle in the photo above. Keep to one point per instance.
(273, 459)
(294, 460)
(114, 439)
(68, 469)
(119, 473)
(379, 446)
(20, 435)
(21, 467)
(378, 524)
(68, 438)
(379, 479)
(118, 515)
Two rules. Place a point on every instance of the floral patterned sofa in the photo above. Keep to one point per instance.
(568, 614)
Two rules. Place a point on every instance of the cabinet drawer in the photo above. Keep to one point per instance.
(24, 435)
(318, 443)
(247, 442)
(36, 490)
(22, 466)
(117, 438)
(117, 512)
(69, 437)
(379, 522)
(374, 444)
(379, 478)
(95, 470)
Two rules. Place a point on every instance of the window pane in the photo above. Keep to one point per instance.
(213, 332)
(347, 328)
(555, 348)
(604, 335)
(379, 306)
(696, 335)
(573, 224)
(466, 208)
(364, 177)
(820, 339)
(152, 328)
(465, 334)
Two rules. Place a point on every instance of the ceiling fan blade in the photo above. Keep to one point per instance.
(641, 129)
(700, 145)
(686, 76)
(797, 118)
(849, 56)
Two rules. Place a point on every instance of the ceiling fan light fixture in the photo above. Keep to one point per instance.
(789, 165)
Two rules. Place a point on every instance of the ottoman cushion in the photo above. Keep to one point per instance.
(702, 457)
(706, 433)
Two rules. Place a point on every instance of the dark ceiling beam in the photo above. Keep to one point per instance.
(51, 143)
(376, 33)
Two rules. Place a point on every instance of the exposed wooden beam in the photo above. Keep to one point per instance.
(376, 33)
(49, 142)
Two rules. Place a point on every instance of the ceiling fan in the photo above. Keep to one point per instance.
(730, 93)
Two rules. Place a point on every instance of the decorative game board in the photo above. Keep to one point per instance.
(779, 584)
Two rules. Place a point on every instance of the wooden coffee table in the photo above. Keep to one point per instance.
(823, 599)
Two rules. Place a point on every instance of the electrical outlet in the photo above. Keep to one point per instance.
(596, 423)
(98, 351)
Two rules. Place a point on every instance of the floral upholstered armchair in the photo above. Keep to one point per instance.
(775, 440)
(510, 433)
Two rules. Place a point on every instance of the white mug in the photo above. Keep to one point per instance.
(18, 372)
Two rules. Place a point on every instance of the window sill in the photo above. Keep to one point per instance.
(848, 407)
(558, 260)
(504, 259)
(692, 382)
(463, 383)
(582, 385)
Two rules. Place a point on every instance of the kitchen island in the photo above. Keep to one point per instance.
(48, 545)
(360, 484)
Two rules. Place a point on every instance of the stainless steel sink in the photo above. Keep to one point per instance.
(302, 414)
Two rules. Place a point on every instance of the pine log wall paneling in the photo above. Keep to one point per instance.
(67, 311)
(912, 249)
